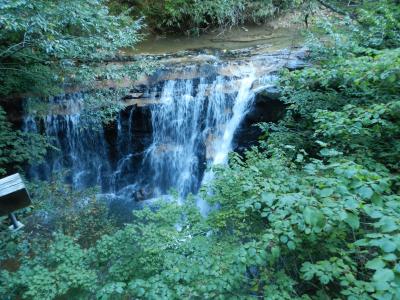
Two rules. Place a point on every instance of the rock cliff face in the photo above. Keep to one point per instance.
(188, 115)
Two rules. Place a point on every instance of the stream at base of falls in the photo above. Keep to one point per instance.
(175, 130)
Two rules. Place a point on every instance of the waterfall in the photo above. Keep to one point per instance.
(79, 149)
(176, 123)
(222, 145)
(241, 104)
(191, 122)
(191, 126)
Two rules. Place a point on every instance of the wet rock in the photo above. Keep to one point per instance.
(128, 97)
(267, 108)
(137, 95)
(296, 65)
(141, 88)
(270, 93)
(133, 96)
(144, 193)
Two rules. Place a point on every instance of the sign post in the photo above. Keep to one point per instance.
(13, 196)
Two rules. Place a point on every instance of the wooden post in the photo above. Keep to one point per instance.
(15, 223)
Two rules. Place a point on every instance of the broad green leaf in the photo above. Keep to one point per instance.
(386, 245)
(351, 204)
(384, 275)
(291, 245)
(366, 192)
(375, 264)
(326, 192)
(388, 224)
(353, 221)
(268, 198)
(390, 257)
(313, 217)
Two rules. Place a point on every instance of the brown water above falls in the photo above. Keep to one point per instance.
(236, 38)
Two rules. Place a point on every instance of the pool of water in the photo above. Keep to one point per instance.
(235, 38)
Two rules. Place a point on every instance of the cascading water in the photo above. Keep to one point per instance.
(194, 125)
(241, 104)
(80, 149)
(172, 129)
(222, 145)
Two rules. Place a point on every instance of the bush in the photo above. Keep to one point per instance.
(195, 15)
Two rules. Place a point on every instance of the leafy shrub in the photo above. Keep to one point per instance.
(194, 15)
(17, 148)
(49, 254)
(313, 213)
(47, 45)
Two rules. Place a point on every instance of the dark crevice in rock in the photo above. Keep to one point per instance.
(267, 107)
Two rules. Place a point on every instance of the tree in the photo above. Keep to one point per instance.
(195, 15)
(47, 47)
(17, 147)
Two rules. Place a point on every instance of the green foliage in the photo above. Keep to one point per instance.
(48, 44)
(362, 131)
(323, 225)
(350, 99)
(311, 216)
(17, 148)
(50, 253)
(380, 23)
(75, 213)
(47, 47)
(194, 15)
(313, 213)
(63, 269)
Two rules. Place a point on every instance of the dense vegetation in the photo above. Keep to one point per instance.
(50, 44)
(47, 47)
(193, 15)
(312, 213)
